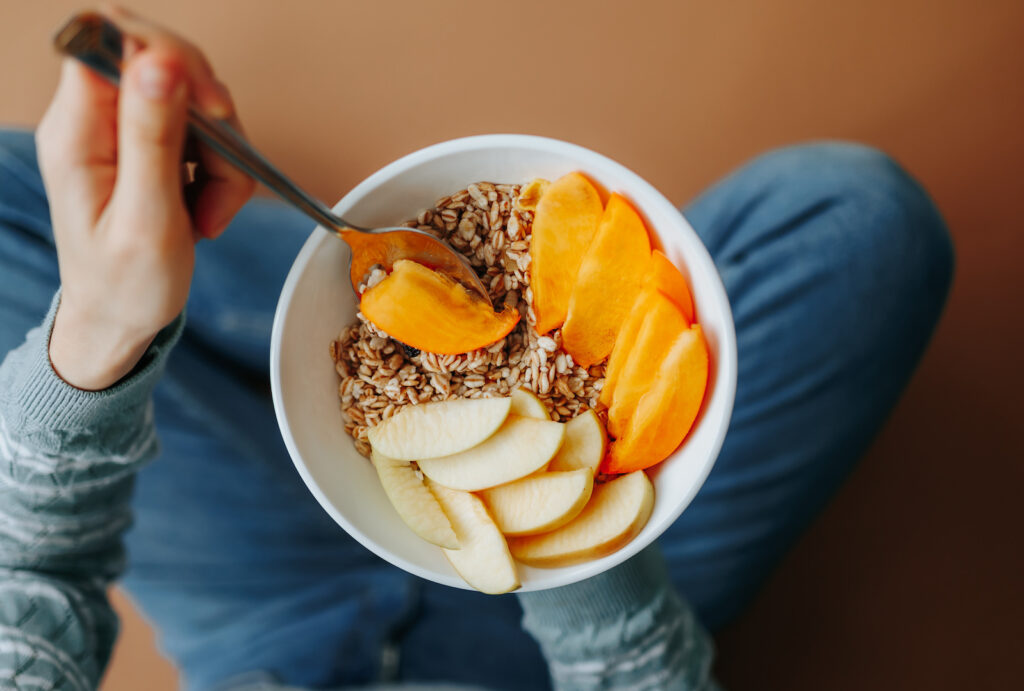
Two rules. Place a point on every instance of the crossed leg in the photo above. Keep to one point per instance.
(837, 266)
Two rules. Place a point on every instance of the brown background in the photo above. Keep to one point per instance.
(912, 578)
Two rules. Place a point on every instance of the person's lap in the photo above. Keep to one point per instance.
(836, 265)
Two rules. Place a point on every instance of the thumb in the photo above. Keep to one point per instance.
(151, 125)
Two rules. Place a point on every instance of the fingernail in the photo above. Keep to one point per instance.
(156, 82)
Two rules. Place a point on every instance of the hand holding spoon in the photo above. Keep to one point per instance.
(98, 43)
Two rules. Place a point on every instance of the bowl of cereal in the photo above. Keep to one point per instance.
(345, 389)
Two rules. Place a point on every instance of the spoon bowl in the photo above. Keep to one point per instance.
(385, 246)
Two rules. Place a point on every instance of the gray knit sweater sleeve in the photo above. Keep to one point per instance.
(626, 628)
(67, 461)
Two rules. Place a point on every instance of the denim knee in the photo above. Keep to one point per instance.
(890, 225)
(18, 142)
(22, 195)
(17, 156)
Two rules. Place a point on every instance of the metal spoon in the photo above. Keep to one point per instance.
(97, 42)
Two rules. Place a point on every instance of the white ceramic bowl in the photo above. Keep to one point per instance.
(317, 302)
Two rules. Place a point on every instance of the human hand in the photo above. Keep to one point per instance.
(112, 165)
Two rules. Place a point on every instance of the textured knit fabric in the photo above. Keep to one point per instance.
(837, 266)
(68, 459)
(623, 629)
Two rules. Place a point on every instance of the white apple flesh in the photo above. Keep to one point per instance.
(518, 448)
(526, 404)
(483, 559)
(584, 446)
(539, 503)
(415, 504)
(438, 428)
(616, 513)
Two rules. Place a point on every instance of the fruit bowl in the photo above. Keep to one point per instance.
(317, 301)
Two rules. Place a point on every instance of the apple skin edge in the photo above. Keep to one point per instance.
(539, 503)
(617, 512)
(438, 428)
(416, 505)
(483, 560)
(521, 446)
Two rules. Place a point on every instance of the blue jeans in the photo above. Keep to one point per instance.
(837, 266)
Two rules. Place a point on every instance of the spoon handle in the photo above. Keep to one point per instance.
(97, 42)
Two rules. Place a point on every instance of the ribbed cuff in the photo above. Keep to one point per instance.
(624, 589)
(45, 400)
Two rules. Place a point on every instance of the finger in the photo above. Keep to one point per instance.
(217, 204)
(77, 136)
(225, 190)
(151, 126)
(207, 93)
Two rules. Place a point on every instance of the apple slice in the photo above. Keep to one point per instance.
(483, 560)
(438, 428)
(526, 404)
(518, 448)
(415, 504)
(617, 512)
(584, 445)
(539, 503)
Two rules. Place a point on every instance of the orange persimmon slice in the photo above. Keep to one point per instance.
(664, 415)
(610, 277)
(563, 226)
(662, 325)
(624, 342)
(427, 310)
(670, 281)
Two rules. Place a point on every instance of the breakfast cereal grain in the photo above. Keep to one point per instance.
(379, 376)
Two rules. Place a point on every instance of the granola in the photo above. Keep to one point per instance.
(490, 225)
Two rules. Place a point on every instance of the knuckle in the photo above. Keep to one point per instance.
(157, 134)
(122, 249)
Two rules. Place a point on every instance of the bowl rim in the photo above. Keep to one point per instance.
(726, 373)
